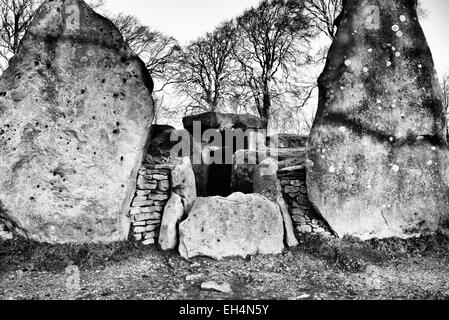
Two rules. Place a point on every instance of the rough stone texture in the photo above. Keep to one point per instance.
(152, 193)
(75, 109)
(226, 124)
(267, 184)
(183, 183)
(246, 161)
(244, 165)
(291, 157)
(223, 287)
(173, 213)
(216, 120)
(161, 144)
(290, 237)
(194, 151)
(239, 225)
(294, 190)
(287, 141)
(265, 179)
(378, 160)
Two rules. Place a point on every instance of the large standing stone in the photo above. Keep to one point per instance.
(75, 110)
(183, 183)
(244, 165)
(173, 213)
(266, 183)
(239, 225)
(378, 160)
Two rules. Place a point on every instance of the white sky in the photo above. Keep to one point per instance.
(436, 27)
(187, 20)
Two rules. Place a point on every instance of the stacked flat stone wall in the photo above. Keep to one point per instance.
(152, 194)
(294, 190)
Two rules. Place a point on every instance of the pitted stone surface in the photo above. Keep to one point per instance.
(173, 213)
(377, 161)
(239, 225)
(244, 165)
(75, 108)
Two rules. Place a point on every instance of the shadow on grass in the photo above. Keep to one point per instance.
(353, 255)
(29, 255)
(348, 254)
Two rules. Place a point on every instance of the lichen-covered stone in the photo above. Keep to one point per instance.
(377, 159)
(239, 225)
(183, 183)
(267, 184)
(287, 141)
(76, 107)
(173, 213)
(244, 164)
(266, 181)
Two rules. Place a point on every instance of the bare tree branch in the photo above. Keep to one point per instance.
(273, 38)
(323, 14)
(206, 68)
(156, 50)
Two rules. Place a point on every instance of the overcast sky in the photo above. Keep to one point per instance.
(187, 20)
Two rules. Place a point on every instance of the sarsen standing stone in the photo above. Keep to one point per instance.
(377, 158)
(75, 110)
(236, 226)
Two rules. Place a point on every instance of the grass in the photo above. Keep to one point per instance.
(352, 254)
(30, 255)
(323, 268)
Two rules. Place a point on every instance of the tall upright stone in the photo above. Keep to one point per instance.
(75, 110)
(377, 157)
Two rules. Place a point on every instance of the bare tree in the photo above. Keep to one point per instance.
(16, 16)
(324, 14)
(423, 13)
(206, 68)
(272, 38)
(155, 49)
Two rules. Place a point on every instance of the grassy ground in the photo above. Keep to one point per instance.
(319, 268)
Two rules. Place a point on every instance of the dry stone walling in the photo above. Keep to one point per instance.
(378, 160)
(75, 110)
(172, 215)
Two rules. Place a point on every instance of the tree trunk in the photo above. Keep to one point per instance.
(266, 104)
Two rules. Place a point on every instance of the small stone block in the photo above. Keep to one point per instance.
(140, 199)
(142, 204)
(147, 186)
(154, 222)
(149, 242)
(147, 216)
(138, 236)
(151, 235)
(305, 229)
(143, 193)
(140, 229)
(152, 228)
(160, 177)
